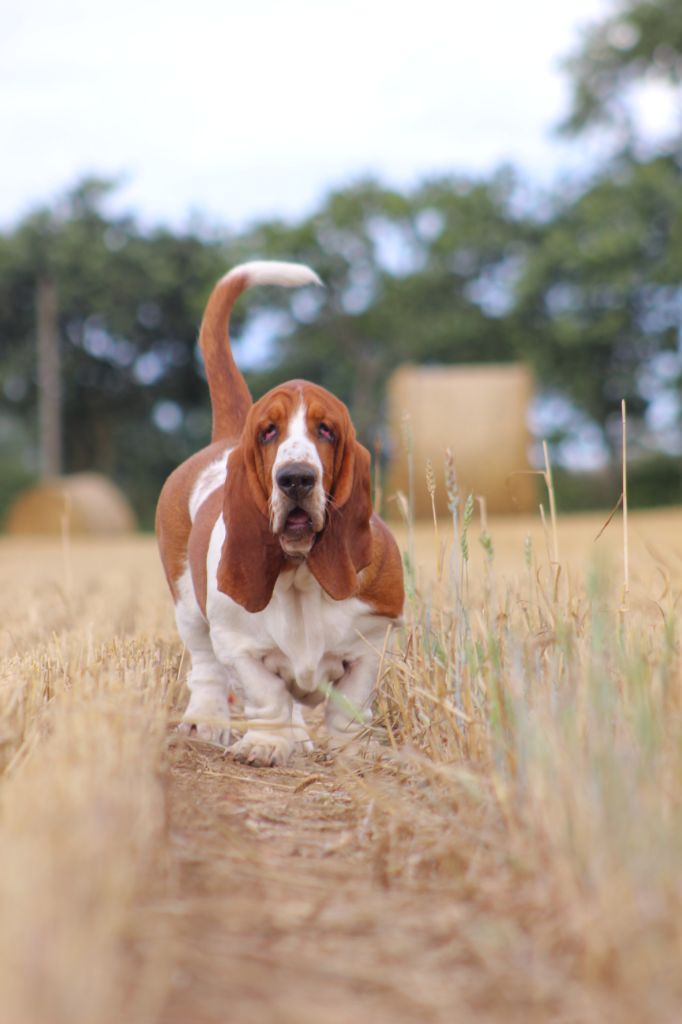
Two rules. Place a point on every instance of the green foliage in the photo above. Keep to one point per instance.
(129, 305)
(654, 481)
(13, 479)
(641, 40)
(599, 297)
(583, 492)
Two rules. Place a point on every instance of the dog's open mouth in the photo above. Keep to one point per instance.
(298, 523)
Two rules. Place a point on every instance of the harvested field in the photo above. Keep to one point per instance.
(506, 847)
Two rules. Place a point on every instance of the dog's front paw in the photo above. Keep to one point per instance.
(207, 720)
(268, 749)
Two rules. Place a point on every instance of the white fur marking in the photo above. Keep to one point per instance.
(298, 447)
(287, 275)
(207, 481)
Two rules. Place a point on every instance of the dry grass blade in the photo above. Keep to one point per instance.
(610, 517)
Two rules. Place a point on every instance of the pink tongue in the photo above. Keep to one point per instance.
(297, 518)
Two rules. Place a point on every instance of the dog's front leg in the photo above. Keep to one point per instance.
(271, 734)
(349, 704)
(209, 681)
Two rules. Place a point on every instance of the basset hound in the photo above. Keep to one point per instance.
(284, 580)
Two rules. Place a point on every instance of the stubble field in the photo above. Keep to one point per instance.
(505, 846)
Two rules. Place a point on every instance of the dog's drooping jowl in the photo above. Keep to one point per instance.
(284, 580)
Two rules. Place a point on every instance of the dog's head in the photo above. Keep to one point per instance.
(298, 488)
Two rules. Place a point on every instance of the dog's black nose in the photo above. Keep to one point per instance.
(296, 480)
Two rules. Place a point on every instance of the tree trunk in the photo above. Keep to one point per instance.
(49, 380)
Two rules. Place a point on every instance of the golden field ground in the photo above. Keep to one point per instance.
(506, 847)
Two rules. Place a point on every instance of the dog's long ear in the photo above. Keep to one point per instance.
(344, 546)
(252, 557)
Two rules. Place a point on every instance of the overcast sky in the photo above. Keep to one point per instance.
(243, 110)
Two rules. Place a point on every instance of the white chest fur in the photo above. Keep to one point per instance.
(303, 635)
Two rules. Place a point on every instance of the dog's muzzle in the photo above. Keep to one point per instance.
(296, 481)
(299, 506)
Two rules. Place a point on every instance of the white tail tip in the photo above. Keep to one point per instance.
(287, 275)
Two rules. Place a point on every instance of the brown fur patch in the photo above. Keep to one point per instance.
(173, 523)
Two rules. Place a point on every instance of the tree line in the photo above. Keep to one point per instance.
(583, 285)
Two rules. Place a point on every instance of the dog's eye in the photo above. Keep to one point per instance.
(326, 433)
(268, 433)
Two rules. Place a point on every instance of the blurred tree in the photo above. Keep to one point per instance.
(600, 297)
(426, 276)
(129, 304)
(452, 270)
(638, 45)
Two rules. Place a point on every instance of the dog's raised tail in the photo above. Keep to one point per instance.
(230, 397)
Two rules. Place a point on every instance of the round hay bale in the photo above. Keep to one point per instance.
(480, 413)
(82, 503)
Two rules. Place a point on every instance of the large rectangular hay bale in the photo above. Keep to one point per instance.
(480, 412)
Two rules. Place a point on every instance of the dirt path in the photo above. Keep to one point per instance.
(303, 899)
